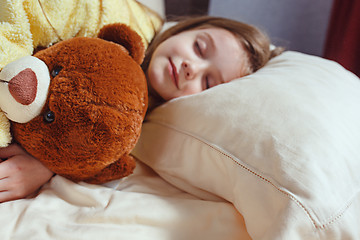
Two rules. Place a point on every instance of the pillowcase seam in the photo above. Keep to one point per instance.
(253, 172)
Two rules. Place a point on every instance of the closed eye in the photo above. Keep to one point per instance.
(201, 45)
(198, 49)
(209, 82)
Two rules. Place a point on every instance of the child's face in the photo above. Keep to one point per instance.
(195, 60)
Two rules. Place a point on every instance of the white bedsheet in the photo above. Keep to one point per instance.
(141, 206)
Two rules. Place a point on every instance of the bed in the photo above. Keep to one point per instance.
(274, 155)
(142, 206)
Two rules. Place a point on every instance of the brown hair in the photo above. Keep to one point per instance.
(256, 43)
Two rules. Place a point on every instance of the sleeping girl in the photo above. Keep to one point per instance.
(194, 55)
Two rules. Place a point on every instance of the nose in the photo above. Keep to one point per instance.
(192, 69)
(23, 87)
(24, 91)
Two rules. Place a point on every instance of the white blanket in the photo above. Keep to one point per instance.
(141, 206)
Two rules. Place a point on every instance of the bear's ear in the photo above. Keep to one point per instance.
(125, 36)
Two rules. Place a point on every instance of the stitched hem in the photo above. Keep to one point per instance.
(314, 222)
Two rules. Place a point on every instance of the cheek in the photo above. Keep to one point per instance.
(153, 69)
(155, 75)
(150, 76)
(193, 88)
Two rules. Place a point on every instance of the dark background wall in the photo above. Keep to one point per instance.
(298, 25)
(186, 7)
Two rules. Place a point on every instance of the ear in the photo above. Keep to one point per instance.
(125, 36)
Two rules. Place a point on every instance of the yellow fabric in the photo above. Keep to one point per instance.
(27, 24)
(5, 137)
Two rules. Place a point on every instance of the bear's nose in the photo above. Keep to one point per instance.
(23, 86)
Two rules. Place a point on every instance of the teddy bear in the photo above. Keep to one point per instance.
(78, 105)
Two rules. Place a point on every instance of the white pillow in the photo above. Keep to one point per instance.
(283, 145)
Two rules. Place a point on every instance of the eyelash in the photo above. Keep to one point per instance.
(198, 48)
(207, 83)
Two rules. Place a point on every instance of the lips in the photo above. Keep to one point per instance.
(173, 73)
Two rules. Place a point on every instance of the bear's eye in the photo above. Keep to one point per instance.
(49, 116)
(56, 70)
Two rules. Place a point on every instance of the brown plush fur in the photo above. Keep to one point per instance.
(99, 99)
